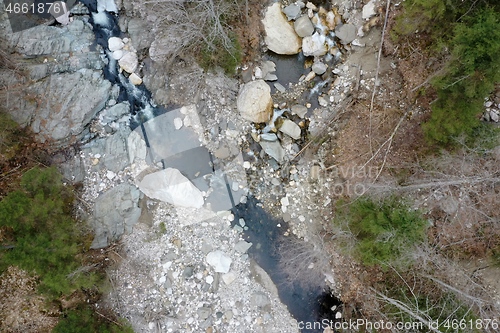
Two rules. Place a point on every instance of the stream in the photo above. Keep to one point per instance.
(311, 305)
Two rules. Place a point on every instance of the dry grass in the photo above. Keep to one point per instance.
(22, 309)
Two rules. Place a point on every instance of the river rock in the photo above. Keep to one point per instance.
(117, 55)
(115, 44)
(116, 211)
(268, 67)
(291, 129)
(299, 110)
(242, 246)
(254, 101)
(129, 62)
(268, 137)
(346, 33)
(292, 11)
(135, 79)
(228, 278)
(259, 299)
(280, 36)
(273, 149)
(314, 45)
(303, 26)
(171, 186)
(219, 261)
(369, 10)
(319, 68)
(494, 116)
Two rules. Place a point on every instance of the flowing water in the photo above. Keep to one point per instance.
(308, 305)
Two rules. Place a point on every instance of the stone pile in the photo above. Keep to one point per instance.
(126, 55)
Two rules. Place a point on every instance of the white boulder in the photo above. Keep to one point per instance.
(129, 62)
(171, 186)
(117, 55)
(254, 101)
(369, 10)
(280, 35)
(314, 45)
(219, 261)
(115, 43)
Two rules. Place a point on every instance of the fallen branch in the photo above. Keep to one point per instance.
(403, 307)
(377, 71)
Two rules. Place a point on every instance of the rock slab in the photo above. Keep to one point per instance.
(116, 211)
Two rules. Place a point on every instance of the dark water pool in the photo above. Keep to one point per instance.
(306, 305)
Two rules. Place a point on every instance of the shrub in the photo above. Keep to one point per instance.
(84, 320)
(43, 233)
(470, 77)
(217, 55)
(385, 232)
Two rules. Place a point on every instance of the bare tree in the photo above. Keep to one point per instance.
(188, 25)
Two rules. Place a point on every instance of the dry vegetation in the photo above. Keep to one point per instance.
(456, 190)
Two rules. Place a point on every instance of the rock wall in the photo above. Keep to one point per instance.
(59, 86)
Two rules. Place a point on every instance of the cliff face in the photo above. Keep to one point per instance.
(56, 86)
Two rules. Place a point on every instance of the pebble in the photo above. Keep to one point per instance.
(178, 123)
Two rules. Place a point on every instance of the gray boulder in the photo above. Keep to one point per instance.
(273, 149)
(62, 112)
(299, 110)
(254, 101)
(291, 129)
(115, 152)
(319, 68)
(116, 211)
(303, 26)
(292, 11)
(346, 33)
(140, 34)
(280, 36)
(171, 186)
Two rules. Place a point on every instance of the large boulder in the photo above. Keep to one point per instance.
(346, 33)
(280, 35)
(171, 186)
(116, 211)
(254, 101)
(63, 112)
